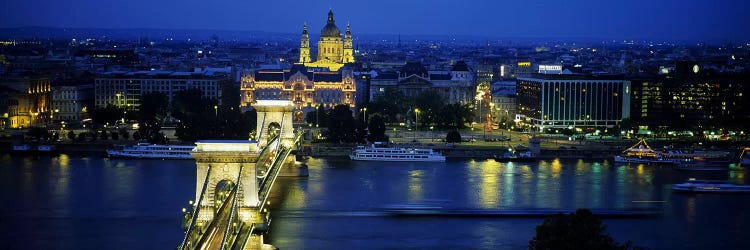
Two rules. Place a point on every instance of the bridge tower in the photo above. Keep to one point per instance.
(250, 167)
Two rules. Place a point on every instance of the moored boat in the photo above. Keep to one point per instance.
(710, 186)
(745, 157)
(641, 153)
(379, 151)
(153, 151)
(514, 156)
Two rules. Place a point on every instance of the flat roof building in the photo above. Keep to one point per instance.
(572, 101)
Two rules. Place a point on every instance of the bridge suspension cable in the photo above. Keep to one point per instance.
(193, 218)
(233, 207)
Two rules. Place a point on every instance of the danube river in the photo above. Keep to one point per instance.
(74, 202)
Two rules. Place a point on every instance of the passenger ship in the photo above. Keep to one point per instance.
(379, 151)
(154, 151)
(641, 153)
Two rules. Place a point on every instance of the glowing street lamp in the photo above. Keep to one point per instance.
(216, 110)
(365, 114)
(416, 122)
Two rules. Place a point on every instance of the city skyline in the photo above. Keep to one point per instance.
(575, 19)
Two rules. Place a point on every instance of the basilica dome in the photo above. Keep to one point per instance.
(330, 30)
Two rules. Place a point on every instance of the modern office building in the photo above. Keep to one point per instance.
(572, 101)
(124, 89)
(692, 99)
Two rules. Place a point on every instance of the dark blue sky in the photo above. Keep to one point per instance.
(683, 20)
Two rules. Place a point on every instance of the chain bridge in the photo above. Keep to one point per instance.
(234, 179)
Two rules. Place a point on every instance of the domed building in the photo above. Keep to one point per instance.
(333, 52)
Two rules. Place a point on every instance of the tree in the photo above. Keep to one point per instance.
(104, 135)
(454, 116)
(124, 133)
(225, 124)
(38, 133)
(341, 125)
(109, 114)
(82, 136)
(579, 230)
(152, 111)
(453, 136)
(71, 135)
(318, 117)
(430, 104)
(115, 135)
(376, 127)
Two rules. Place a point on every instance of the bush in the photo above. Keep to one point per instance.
(453, 137)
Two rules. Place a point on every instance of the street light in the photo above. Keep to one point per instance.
(365, 109)
(416, 123)
(432, 133)
(216, 110)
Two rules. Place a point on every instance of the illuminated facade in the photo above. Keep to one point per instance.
(564, 101)
(333, 52)
(31, 106)
(305, 88)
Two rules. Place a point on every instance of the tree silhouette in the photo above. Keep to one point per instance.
(579, 230)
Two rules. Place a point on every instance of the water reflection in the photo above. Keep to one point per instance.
(59, 178)
(490, 192)
(415, 184)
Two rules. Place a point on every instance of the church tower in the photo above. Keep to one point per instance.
(348, 50)
(304, 48)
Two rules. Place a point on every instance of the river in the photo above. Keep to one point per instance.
(75, 202)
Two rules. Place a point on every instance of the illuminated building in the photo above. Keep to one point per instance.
(566, 101)
(124, 89)
(30, 106)
(504, 101)
(648, 101)
(454, 86)
(333, 52)
(307, 89)
(69, 102)
(692, 99)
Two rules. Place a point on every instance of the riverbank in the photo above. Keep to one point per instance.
(468, 151)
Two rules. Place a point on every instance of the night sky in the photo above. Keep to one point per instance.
(674, 20)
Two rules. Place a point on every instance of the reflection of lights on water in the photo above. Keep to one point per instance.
(737, 175)
(639, 170)
(596, 167)
(63, 160)
(556, 168)
(415, 186)
(580, 167)
(690, 210)
(489, 190)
